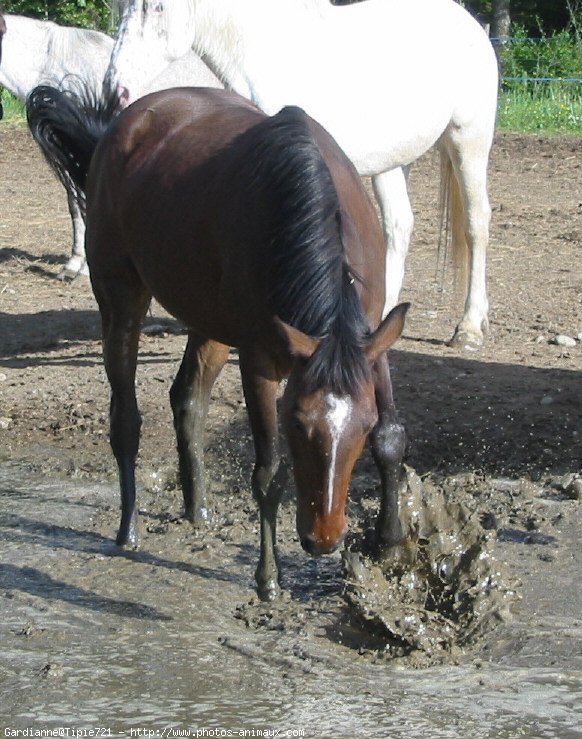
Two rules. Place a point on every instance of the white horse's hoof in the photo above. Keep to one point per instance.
(465, 340)
(75, 267)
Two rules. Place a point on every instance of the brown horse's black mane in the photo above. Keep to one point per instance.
(310, 285)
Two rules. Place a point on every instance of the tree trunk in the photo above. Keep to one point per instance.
(501, 19)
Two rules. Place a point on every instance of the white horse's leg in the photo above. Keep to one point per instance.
(469, 157)
(391, 193)
(77, 264)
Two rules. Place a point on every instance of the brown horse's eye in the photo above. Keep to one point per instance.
(299, 425)
(369, 424)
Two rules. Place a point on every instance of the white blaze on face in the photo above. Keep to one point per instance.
(338, 414)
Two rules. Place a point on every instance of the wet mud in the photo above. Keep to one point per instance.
(472, 627)
(442, 588)
(173, 635)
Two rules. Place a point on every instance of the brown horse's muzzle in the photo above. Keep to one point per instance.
(323, 535)
(316, 546)
(322, 491)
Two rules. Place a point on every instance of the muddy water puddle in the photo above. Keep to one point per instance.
(172, 635)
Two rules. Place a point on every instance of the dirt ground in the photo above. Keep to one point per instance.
(511, 409)
(506, 421)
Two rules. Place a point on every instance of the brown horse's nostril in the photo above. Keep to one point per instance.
(316, 547)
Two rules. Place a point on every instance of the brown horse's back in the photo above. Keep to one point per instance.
(150, 205)
(164, 201)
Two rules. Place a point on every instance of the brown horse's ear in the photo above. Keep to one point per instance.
(387, 332)
(298, 344)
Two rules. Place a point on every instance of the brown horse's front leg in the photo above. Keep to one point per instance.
(388, 442)
(190, 397)
(267, 480)
(268, 483)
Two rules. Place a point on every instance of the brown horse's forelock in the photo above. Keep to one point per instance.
(310, 285)
(339, 364)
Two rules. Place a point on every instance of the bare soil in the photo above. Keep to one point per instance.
(490, 411)
(504, 424)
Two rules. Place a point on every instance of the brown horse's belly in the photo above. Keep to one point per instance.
(192, 290)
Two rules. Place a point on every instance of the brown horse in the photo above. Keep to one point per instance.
(257, 233)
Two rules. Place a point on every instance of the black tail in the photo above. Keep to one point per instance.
(67, 127)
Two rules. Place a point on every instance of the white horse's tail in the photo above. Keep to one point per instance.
(452, 240)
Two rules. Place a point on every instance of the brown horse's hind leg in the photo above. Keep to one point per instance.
(123, 304)
(388, 442)
(268, 480)
(190, 396)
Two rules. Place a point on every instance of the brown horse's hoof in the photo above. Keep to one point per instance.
(198, 517)
(128, 539)
(113, 549)
(268, 592)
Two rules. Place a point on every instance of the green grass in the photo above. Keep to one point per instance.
(13, 108)
(550, 107)
(527, 105)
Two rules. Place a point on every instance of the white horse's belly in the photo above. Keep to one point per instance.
(375, 134)
(378, 148)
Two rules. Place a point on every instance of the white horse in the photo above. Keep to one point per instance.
(2, 32)
(387, 78)
(36, 52)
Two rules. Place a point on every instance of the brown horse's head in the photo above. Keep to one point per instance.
(326, 430)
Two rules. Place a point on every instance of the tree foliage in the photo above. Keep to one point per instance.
(554, 56)
(84, 13)
(535, 16)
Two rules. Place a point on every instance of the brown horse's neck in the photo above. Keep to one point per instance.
(304, 266)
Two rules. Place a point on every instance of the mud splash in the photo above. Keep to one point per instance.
(437, 592)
